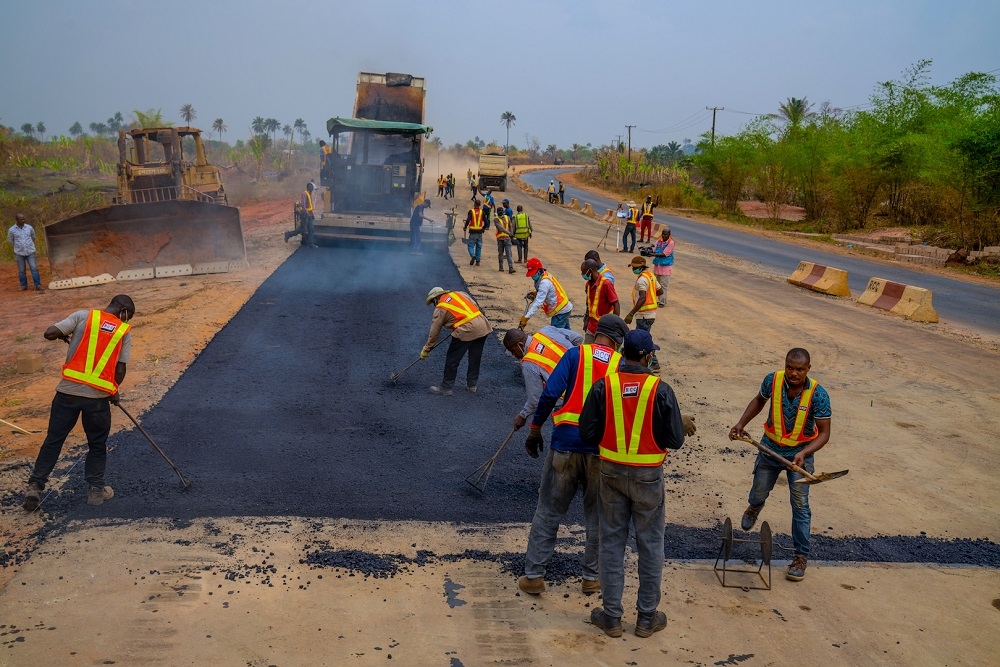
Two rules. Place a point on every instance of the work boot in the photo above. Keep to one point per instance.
(98, 494)
(477, 262)
(531, 585)
(501, 268)
(38, 288)
(473, 389)
(24, 289)
(511, 270)
(472, 261)
(288, 235)
(750, 517)
(589, 586)
(797, 570)
(439, 391)
(646, 625)
(32, 498)
(612, 626)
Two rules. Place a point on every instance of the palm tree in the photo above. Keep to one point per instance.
(28, 129)
(257, 125)
(76, 129)
(148, 118)
(306, 134)
(299, 125)
(794, 111)
(116, 122)
(220, 127)
(288, 132)
(507, 118)
(40, 129)
(272, 125)
(188, 113)
(551, 149)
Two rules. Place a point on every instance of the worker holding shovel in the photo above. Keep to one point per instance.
(797, 426)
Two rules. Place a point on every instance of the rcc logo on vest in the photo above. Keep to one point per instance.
(539, 348)
(630, 389)
(602, 355)
(108, 327)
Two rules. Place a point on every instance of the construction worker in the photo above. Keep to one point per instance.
(552, 192)
(630, 221)
(416, 221)
(22, 239)
(646, 219)
(570, 464)
(548, 295)
(644, 295)
(440, 185)
(474, 184)
(605, 271)
(507, 209)
(633, 418)
(475, 225)
(459, 312)
(601, 298)
(100, 342)
(539, 353)
(663, 264)
(503, 226)
(797, 426)
(562, 193)
(324, 153)
(522, 232)
(305, 231)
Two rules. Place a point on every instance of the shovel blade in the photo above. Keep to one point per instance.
(822, 477)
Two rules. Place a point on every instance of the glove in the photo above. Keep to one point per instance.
(530, 296)
(424, 354)
(628, 319)
(689, 425)
(519, 421)
(534, 443)
(524, 321)
(114, 398)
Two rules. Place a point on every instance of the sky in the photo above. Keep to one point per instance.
(571, 71)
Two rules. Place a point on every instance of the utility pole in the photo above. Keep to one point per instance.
(629, 128)
(618, 143)
(714, 110)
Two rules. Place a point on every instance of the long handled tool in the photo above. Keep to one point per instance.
(483, 472)
(185, 483)
(528, 300)
(395, 376)
(17, 428)
(807, 477)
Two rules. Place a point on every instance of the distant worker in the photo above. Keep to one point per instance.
(504, 231)
(449, 188)
(644, 295)
(507, 210)
(562, 193)
(488, 200)
(474, 184)
(633, 418)
(631, 219)
(475, 225)
(548, 295)
(663, 264)
(459, 312)
(603, 268)
(100, 342)
(22, 238)
(324, 153)
(538, 353)
(441, 183)
(797, 426)
(306, 230)
(570, 464)
(552, 191)
(646, 219)
(468, 176)
(522, 233)
(601, 298)
(416, 220)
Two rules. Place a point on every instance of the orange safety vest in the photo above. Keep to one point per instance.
(477, 220)
(464, 309)
(309, 198)
(501, 218)
(594, 298)
(635, 214)
(595, 362)
(543, 352)
(606, 272)
(628, 431)
(650, 302)
(94, 361)
(561, 299)
(326, 151)
(647, 210)
(796, 436)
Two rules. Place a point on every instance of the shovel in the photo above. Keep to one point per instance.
(807, 477)
(483, 472)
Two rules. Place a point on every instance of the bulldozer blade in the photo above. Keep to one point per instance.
(146, 240)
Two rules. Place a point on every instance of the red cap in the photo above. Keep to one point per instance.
(534, 266)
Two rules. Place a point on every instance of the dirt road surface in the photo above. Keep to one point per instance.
(329, 524)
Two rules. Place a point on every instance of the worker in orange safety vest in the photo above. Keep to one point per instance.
(459, 312)
(539, 353)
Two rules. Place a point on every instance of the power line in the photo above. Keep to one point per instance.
(678, 123)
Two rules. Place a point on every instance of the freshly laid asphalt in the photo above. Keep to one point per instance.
(956, 301)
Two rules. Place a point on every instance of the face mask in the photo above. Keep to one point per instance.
(585, 276)
(637, 271)
(537, 276)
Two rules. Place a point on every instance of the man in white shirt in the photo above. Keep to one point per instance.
(22, 237)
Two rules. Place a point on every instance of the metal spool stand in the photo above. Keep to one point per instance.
(726, 552)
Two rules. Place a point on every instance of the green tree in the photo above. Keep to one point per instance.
(148, 118)
(219, 126)
(28, 129)
(507, 119)
(99, 129)
(795, 111)
(272, 125)
(116, 123)
(76, 129)
(188, 113)
(299, 126)
(40, 129)
(257, 125)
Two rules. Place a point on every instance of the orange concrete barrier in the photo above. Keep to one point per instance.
(913, 303)
(541, 194)
(819, 278)
(589, 210)
(609, 216)
(573, 205)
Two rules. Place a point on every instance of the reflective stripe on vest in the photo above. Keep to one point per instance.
(606, 272)
(595, 361)
(594, 298)
(561, 299)
(463, 309)
(647, 210)
(635, 213)
(650, 302)
(543, 352)
(94, 361)
(521, 226)
(309, 198)
(796, 436)
(476, 225)
(505, 221)
(628, 426)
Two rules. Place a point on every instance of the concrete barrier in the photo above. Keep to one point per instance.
(589, 210)
(541, 194)
(573, 205)
(819, 278)
(913, 303)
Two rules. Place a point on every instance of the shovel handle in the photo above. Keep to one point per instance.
(781, 459)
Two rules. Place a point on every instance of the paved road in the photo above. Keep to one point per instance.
(957, 302)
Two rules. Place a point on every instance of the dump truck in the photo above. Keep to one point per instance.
(373, 176)
(493, 171)
(169, 217)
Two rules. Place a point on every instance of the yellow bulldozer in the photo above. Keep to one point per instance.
(169, 217)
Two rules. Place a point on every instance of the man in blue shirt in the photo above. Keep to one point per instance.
(804, 428)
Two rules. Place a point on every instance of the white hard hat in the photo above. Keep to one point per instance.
(435, 292)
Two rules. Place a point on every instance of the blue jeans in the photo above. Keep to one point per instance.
(629, 230)
(765, 474)
(32, 264)
(560, 321)
(646, 325)
(414, 237)
(562, 474)
(503, 247)
(476, 245)
(631, 494)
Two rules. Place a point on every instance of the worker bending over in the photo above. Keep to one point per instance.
(457, 311)
(538, 353)
(547, 295)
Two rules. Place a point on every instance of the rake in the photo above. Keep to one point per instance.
(483, 472)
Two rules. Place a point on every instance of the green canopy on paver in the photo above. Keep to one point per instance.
(388, 127)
